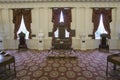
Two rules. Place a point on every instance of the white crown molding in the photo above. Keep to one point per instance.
(31, 1)
(59, 4)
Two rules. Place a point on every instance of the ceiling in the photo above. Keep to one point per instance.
(31, 1)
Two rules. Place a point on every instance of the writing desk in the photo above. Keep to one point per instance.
(7, 60)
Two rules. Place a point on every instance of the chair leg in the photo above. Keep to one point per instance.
(114, 67)
(107, 69)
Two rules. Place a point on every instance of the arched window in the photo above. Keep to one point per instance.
(100, 29)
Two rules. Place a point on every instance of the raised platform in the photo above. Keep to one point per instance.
(62, 55)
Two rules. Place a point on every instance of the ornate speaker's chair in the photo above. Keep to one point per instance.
(62, 42)
(22, 41)
(104, 43)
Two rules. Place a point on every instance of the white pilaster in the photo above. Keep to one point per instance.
(118, 25)
(1, 41)
(5, 20)
(83, 42)
(44, 21)
(118, 21)
(46, 25)
(5, 34)
(41, 40)
(82, 33)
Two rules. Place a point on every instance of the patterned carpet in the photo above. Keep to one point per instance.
(35, 65)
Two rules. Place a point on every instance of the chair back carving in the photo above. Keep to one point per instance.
(22, 41)
(104, 43)
(104, 39)
(62, 42)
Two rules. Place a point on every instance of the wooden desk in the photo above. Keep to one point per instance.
(7, 60)
(62, 44)
(115, 59)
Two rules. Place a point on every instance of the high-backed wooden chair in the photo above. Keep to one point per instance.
(22, 41)
(104, 43)
(62, 42)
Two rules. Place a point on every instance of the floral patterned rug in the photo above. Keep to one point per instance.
(60, 65)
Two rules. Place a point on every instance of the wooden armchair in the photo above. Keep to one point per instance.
(104, 43)
(22, 41)
(62, 42)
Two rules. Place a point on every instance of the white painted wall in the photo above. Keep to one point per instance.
(41, 22)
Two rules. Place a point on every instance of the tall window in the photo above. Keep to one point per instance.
(100, 29)
(101, 23)
(22, 22)
(61, 19)
(23, 29)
